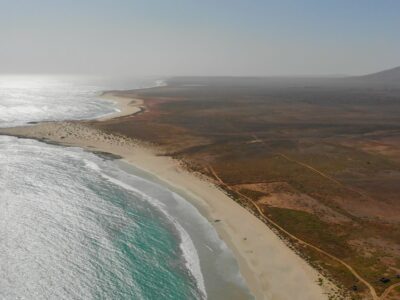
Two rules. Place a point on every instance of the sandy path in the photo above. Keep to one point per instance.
(281, 229)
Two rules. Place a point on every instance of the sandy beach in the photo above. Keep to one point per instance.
(126, 106)
(271, 269)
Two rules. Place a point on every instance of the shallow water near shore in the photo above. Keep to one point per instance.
(219, 267)
(77, 225)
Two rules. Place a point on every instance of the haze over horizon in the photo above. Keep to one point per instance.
(257, 38)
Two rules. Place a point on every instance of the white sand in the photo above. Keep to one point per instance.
(127, 106)
(270, 268)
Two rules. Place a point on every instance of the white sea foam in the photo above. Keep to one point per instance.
(92, 165)
(187, 247)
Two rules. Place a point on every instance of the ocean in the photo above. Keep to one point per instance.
(77, 225)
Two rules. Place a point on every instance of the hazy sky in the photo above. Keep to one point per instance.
(199, 37)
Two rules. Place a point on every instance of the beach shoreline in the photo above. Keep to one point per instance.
(127, 106)
(270, 268)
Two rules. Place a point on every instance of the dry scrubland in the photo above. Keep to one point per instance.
(320, 158)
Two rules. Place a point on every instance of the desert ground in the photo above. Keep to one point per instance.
(318, 160)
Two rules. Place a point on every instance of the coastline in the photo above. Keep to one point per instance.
(270, 269)
(127, 106)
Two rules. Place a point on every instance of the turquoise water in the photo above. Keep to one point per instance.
(68, 231)
(75, 225)
(78, 226)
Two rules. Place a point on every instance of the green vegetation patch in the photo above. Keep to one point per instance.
(310, 228)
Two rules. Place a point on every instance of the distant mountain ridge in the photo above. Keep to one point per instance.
(391, 76)
(386, 79)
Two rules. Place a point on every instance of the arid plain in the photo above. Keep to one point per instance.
(316, 159)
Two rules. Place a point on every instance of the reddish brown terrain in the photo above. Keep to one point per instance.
(318, 160)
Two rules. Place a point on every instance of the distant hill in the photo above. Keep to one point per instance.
(386, 79)
(389, 77)
(386, 75)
